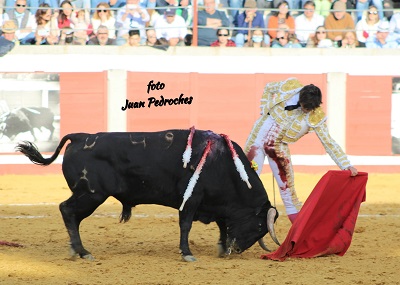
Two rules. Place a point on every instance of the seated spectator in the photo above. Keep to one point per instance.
(285, 40)
(307, 22)
(317, 37)
(32, 4)
(151, 38)
(394, 25)
(113, 4)
(282, 16)
(5, 45)
(131, 16)
(81, 22)
(64, 17)
(101, 38)
(188, 40)
(209, 20)
(247, 20)
(367, 26)
(186, 11)
(171, 27)
(103, 16)
(223, 39)
(47, 26)
(54, 4)
(350, 40)
(24, 20)
(362, 5)
(383, 38)
(338, 21)
(67, 37)
(256, 39)
(8, 32)
(134, 39)
(322, 7)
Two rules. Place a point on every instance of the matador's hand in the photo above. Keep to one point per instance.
(353, 170)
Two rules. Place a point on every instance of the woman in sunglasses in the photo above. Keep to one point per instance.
(223, 39)
(103, 16)
(319, 37)
(367, 26)
(285, 40)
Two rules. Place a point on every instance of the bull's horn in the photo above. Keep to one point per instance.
(262, 244)
(270, 224)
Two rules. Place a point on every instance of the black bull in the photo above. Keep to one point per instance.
(147, 168)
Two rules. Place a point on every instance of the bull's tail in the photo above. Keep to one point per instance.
(31, 151)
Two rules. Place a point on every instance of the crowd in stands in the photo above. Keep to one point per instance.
(220, 23)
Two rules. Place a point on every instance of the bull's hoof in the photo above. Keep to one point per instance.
(88, 257)
(220, 250)
(189, 258)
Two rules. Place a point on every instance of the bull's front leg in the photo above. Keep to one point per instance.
(185, 224)
(222, 247)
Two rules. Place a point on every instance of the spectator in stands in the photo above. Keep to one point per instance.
(307, 22)
(362, 5)
(64, 17)
(317, 37)
(67, 37)
(338, 21)
(394, 25)
(171, 27)
(282, 16)
(31, 4)
(188, 40)
(101, 38)
(103, 16)
(131, 16)
(114, 6)
(186, 11)
(47, 26)
(151, 38)
(285, 40)
(350, 40)
(24, 20)
(81, 21)
(9, 29)
(367, 26)
(247, 20)
(383, 38)
(209, 20)
(134, 39)
(322, 7)
(256, 38)
(223, 39)
(5, 44)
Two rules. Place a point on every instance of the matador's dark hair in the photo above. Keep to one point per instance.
(310, 97)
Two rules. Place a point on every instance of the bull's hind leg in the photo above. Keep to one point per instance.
(74, 210)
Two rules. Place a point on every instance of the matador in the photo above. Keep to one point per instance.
(289, 111)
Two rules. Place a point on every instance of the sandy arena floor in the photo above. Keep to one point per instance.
(145, 250)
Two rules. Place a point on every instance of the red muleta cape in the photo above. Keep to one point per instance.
(326, 222)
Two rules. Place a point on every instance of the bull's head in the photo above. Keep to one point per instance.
(245, 231)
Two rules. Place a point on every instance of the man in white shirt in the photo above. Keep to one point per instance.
(129, 17)
(171, 27)
(307, 23)
(24, 20)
